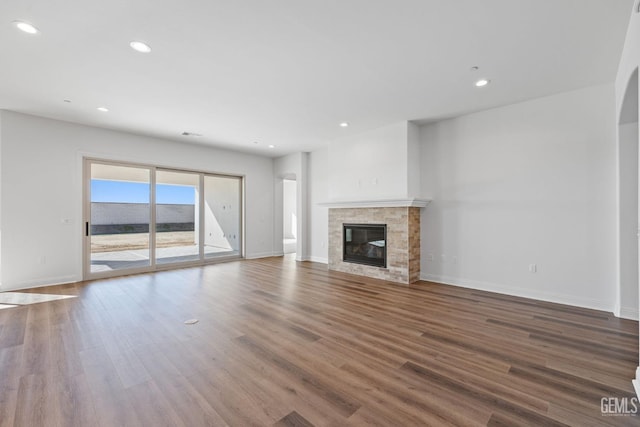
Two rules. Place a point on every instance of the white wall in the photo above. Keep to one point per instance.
(1, 117)
(318, 215)
(289, 209)
(630, 58)
(41, 180)
(373, 165)
(627, 303)
(530, 183)
(413, 161)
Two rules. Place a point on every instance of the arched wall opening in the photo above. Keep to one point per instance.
(292, 167)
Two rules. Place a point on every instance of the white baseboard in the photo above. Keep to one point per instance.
(263, 255)
(313, 259)
(273, 254)
(518, 292)
(628, 313)
(40, 283)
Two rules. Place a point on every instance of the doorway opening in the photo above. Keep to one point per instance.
(629, 213)
(289, 217)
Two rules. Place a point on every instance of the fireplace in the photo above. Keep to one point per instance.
(365, 244)
(401, 241)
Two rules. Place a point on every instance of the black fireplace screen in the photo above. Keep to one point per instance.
(365, 244)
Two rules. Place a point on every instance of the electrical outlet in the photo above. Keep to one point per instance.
(533, 268)
(454, 260)
(430, 257)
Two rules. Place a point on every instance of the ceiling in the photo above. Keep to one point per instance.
(247, 74)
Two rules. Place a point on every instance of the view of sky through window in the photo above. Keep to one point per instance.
(106, 191)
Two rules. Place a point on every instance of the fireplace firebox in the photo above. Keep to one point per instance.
(365, 244)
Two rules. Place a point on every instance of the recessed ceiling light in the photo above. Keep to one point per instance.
(185, 133)
(272, 146)
(140, 47)
(344, 125)
(482, 82)
(103, 109)
(475, 68)
(26, 27)
(68, 101)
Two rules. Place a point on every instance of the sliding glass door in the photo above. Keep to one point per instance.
(141, 218)
(118, 228)
(177, 217)
(222, 216)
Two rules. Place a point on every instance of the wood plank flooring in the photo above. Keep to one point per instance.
(291, 344)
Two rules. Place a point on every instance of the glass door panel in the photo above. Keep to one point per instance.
(120, 214)
(139, 217)
(222, 216)
(177, 217)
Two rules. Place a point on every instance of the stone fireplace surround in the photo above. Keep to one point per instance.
(403, 237)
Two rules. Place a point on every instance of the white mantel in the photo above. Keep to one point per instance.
(380, 203)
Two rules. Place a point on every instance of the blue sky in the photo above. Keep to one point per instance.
(136, 192)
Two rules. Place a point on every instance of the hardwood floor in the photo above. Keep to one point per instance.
(291, 344)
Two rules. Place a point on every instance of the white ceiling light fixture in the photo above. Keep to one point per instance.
(344, 125)
(139, 46)
(103, 109)
(482, 82)
(272, 146)
(26, 27)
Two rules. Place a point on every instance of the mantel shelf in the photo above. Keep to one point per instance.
(384, 203)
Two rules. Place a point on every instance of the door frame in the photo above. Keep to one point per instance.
(153, 266)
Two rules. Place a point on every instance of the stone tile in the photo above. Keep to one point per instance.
(403, 241)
